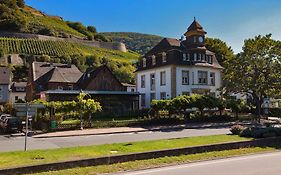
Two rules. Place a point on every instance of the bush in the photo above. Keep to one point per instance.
(237, 129)
(261, 132)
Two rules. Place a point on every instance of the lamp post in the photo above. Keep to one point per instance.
(81, 115)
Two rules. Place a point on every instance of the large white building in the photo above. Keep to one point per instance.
(179, 67)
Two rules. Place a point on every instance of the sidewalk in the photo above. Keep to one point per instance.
(102, 131)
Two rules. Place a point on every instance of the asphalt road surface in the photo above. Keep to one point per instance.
(260, 164)
(17, 143)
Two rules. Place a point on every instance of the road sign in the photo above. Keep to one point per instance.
(23, 114)
(27, 110)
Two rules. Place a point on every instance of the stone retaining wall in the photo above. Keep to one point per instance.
(140, 156)
(107, 45)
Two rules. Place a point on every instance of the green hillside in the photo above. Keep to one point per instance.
(15, 16)
(61, 48)
(137, 42)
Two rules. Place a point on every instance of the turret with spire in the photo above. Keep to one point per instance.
(195, 35)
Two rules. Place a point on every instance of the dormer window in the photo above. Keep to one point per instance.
(144, 62)
(211, 59)
(184, 56)
(153, 60)
(203, 58)
(195, 56)
(200, 57)
(164, 57)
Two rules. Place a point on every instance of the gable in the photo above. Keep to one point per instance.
(100, 79)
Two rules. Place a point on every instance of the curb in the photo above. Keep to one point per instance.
(136, 131)
(107, 160)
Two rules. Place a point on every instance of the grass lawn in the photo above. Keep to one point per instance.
(152, 163)
(20, 158)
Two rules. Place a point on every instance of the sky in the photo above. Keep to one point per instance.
(232, 21)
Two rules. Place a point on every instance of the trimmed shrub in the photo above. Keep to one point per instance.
(237, 129)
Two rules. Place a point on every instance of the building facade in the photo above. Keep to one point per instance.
(63, 82)
(5, 81)
(18, 92)
(178, 67)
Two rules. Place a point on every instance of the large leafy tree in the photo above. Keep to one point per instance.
(222, 50)
(256, 70)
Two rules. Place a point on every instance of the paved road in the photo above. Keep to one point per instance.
(261, 164)
(13, 144)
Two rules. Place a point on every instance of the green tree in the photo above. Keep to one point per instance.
(92, 29)
(220, 48)
(86, 105)
(256, 70)
(20, 3)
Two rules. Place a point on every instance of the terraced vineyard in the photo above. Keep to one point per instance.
(60, 48)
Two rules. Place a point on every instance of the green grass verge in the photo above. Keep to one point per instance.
(152, 163)
(21, 158)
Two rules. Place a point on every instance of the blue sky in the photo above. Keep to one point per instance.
(230, 20)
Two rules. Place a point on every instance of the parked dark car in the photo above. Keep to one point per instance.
(11, 124)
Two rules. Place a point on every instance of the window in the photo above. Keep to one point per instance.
(211, 59)
(188, 57)
(16, 98)
(203, 57)
(193, 78)
(194, 39)
(60, 88)
(152, 96)
(142, 100)
(162, 78)
(202, 77)
(186, 93)
(143, 81)
(132, 90)
(185, 77)
(153, 60)
(0, 89)
(162, 95)
(195, 56)
(152, 82)
(199, 57)
(184, 56)
(213, 78)
(164, 57)
(144, 62)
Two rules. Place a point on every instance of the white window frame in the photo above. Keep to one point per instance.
(202, 75)
(152, 82)
(144, 62)
(185, 79)
(153, 60)
(164, 57)
(163, 95)
(162, 78)
(184, 57)
(212, 78)
(142, 81)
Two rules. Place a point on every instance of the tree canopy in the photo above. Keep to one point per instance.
(220, 48)
(256, 70)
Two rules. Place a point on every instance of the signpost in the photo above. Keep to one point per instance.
(28, 110)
